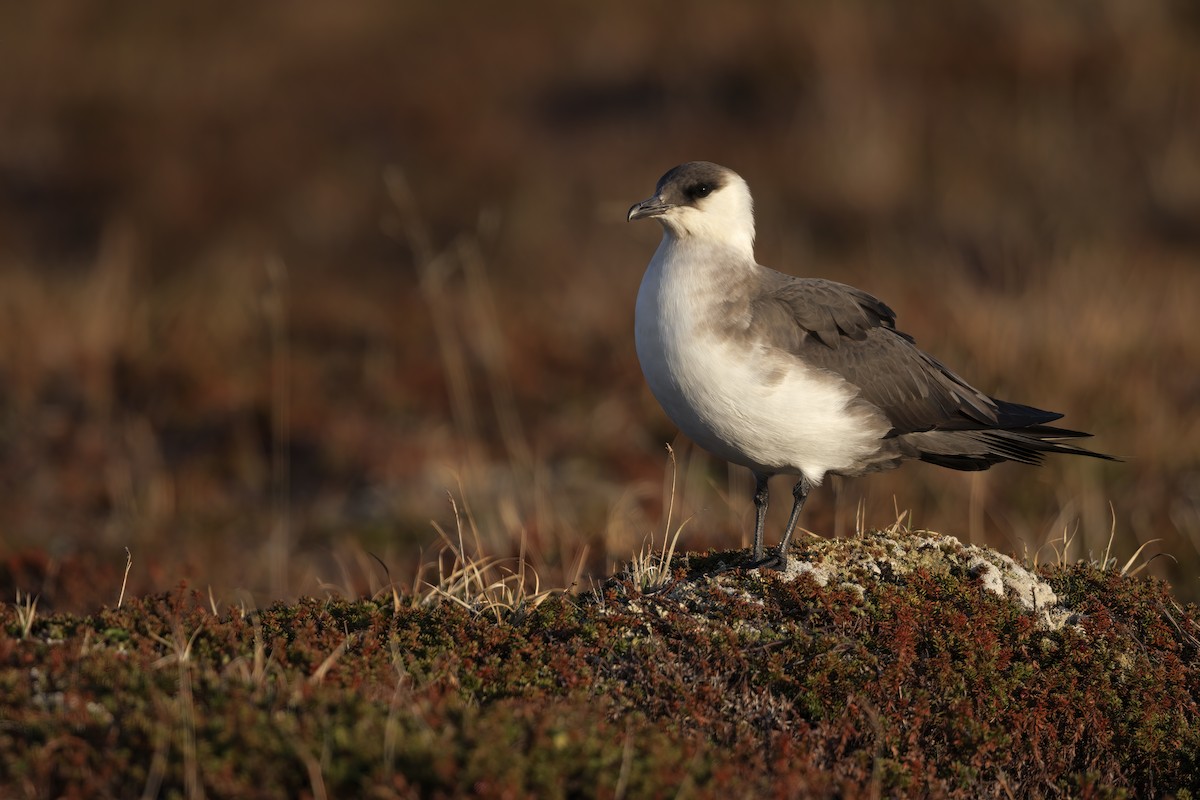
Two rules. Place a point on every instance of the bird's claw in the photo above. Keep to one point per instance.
(776, 561)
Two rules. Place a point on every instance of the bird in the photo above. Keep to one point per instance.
(800, 376)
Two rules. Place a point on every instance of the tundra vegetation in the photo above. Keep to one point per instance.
(326, 314)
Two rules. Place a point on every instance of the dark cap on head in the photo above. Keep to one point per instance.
(683, 185)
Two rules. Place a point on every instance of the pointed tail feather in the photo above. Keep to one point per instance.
(980, 449)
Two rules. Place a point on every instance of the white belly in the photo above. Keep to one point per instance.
(754, 406)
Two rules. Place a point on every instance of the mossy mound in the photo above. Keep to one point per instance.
(724, 682)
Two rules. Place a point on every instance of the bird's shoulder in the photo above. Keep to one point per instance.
(800, 309)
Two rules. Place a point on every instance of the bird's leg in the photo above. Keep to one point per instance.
(760, 513)
(800, 493)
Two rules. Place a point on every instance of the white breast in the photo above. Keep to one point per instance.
(741, 400)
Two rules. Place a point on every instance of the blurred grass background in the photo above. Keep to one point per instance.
(279, 283)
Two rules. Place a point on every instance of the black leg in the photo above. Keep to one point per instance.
(760, 513)
(800, 494)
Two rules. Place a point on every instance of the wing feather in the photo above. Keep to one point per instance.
(851, 333)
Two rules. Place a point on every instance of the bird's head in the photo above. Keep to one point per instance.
(702, 201)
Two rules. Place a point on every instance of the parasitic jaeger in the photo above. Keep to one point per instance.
(800, 376)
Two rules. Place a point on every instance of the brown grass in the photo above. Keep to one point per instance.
(272, 284)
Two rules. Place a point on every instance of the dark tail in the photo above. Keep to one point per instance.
(1020, 436)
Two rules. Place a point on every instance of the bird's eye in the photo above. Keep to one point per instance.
(702, 190)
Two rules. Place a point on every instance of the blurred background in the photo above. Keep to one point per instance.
(289, 294)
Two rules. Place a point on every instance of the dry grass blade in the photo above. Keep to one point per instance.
(479, 582)
(902, 523)
(1060, 555)
(1125, 570)
(391, 585)
(1183, 616)
(125, 580)
(253, 670)
(321, 671)
(648, 569)
(180, 648)
(1108, 560)
(26, 608)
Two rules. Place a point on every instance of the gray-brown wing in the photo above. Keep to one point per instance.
(827, 311)
(851, 333)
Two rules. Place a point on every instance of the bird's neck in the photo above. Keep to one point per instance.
(699, 273)
(729, 249)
